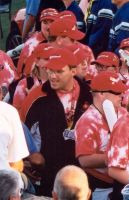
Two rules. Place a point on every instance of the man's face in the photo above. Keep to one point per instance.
(101, 68)
(42, 70)
(45, 24)
(61, 79)
(82, 69)
(118, 3)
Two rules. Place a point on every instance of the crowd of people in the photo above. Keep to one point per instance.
(64, 105)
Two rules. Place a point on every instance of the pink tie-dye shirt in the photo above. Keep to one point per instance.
(118, 148)
(92, 135)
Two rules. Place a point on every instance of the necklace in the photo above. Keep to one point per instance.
(98, 110)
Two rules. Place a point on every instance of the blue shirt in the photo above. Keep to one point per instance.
(99, 23)
(120, 28)
(32, 7)
(29, 139)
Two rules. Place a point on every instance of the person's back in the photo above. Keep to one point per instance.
(98, 25)
(120, 25)
(71, 183)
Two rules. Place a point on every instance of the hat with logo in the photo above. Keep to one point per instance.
(79, 52)
(65, 27)
(42, 51)
(67, 14)
(60, 58)
(108, 59)
(49, 13)
(124, 43)
(108, 82)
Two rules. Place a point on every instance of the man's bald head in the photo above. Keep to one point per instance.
(71, 183)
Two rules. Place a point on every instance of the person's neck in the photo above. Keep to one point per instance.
(68, 88)
(98, 106)
(67, 3)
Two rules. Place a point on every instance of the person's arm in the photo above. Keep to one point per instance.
(32, 10)
(16, 152)
(121, 175)
(92, 161)
(29, 23)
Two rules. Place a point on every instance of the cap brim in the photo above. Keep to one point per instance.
(101, 63)
(76, 35)
(119, 89)
(48, 18)
(55, 65)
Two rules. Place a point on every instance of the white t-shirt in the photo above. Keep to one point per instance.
(13, 145)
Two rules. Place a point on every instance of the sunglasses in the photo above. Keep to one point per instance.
(110, 91)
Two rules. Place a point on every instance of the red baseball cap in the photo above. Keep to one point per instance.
(124, 43)
(43, 50)
(65, 27)
(49, 13)
(79, 52)
(67, 14)
(108, 59)
(108, 82)
(60, 58)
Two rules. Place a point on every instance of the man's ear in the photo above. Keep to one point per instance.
(54, 195)
(74, 71)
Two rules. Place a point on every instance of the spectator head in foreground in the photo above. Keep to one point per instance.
(64, 30)
(9, 185)
(71, 183)
(107, 85)
(46, 18)
(107, 61)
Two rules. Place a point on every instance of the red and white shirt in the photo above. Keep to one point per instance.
(22, 91)
(29, 47)
(69, 101)
(92, 136)
(118, 148)
(92, 133)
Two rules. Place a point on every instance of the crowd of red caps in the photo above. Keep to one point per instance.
(60, 24)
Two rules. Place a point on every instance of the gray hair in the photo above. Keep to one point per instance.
(9, 184)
